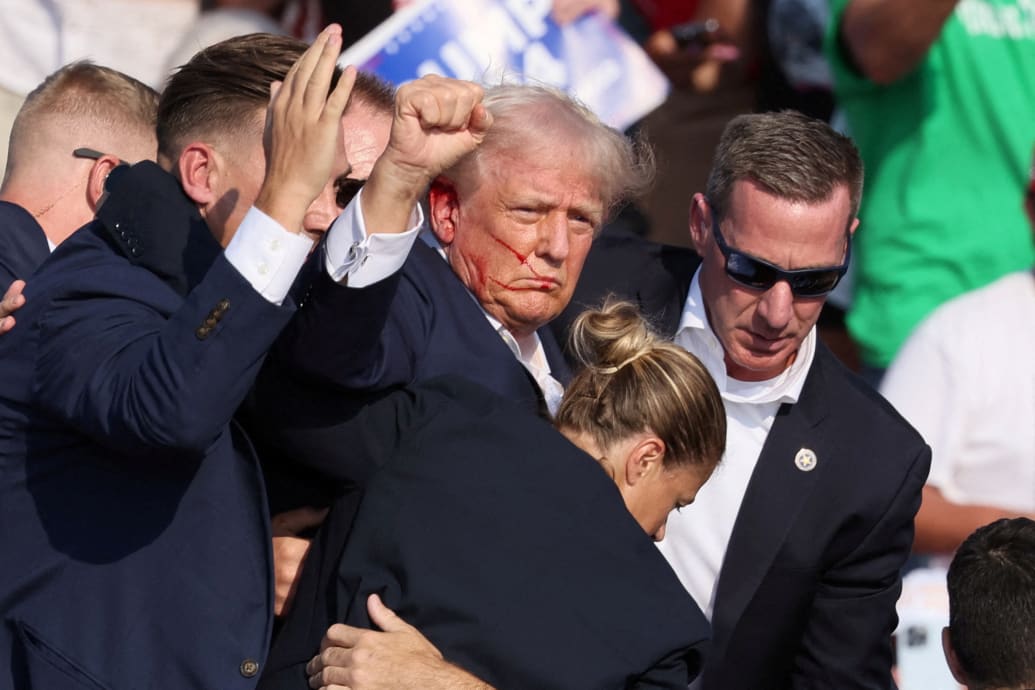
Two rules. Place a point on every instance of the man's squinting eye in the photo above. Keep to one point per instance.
(346, 189)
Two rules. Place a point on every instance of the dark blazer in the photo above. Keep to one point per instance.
(23, 246)
(415, 325)
(135, 542)
(806, 595)
(622, 264)
(507, 546)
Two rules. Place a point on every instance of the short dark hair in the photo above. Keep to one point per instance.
(222, 86)
(991, 584)
(788, 154)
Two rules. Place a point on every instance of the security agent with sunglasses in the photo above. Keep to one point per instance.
(793, 549)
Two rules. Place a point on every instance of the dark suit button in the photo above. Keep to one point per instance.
(249, 667)
(135, 251)
(223, 305)
(202, 332)
(211, 321)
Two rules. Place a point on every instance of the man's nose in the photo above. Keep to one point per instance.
(322, 212)
(776, 306)
(553, 238)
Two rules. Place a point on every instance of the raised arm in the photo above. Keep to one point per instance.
(166, 373)
(436, 122)
(887, 39)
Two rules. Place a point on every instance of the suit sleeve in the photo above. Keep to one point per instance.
(347, 439)
(847, 641)
(356, 338)
(133, 378)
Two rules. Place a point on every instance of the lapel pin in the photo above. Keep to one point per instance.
(805, 460)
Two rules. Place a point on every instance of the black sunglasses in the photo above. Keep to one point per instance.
(345, 190)
(758, 274)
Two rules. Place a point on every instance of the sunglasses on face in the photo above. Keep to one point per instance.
(757, 274)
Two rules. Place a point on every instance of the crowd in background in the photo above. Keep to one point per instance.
(742, 231)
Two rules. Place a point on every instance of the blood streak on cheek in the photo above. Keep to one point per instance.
(478, 263)
(504, 286)
(523, 258)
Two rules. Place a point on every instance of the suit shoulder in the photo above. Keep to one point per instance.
(862, 409)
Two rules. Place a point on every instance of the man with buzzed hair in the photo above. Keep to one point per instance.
(131, 508)
(76, 126)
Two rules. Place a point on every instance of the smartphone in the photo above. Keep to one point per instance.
(695, 34)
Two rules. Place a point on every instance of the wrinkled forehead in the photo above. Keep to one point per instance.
(366, 131)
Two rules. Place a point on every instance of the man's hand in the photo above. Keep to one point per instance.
(303, 135)
(437, 121)
(13, 301)
(398, 658)
(289, 552)
(694, 66)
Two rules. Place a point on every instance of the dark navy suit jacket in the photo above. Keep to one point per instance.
(807, 591)
(507, 546)
(135, 542)
(417, 324)
(23, 246)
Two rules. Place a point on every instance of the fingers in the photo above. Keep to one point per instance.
(480, 121)
(329, 669)
(294, 522)
(384, 617)
(13, 300)
(339, 98)
(439, 103)
(341, 635)
(313, 62)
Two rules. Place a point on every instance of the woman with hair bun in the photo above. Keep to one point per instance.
(497, 535)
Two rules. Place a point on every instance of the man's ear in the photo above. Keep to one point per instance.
(700, 223)
(198, 169)
(853, 226)
(646, 458)
(97, 177)
(444, 210)
(951, 659)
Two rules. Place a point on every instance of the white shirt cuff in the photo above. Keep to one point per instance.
(367, 259)
(268, 256)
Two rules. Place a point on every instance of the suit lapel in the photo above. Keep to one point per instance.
(774, 497)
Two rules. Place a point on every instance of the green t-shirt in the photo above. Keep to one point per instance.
(947, 150)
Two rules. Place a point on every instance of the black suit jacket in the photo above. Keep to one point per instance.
(415, 325)
(507, 546)
(656, 277)
(807, 591)
(23, 246)
(135, 541)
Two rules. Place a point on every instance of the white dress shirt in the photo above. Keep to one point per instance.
(697, 536)
(269, 257)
